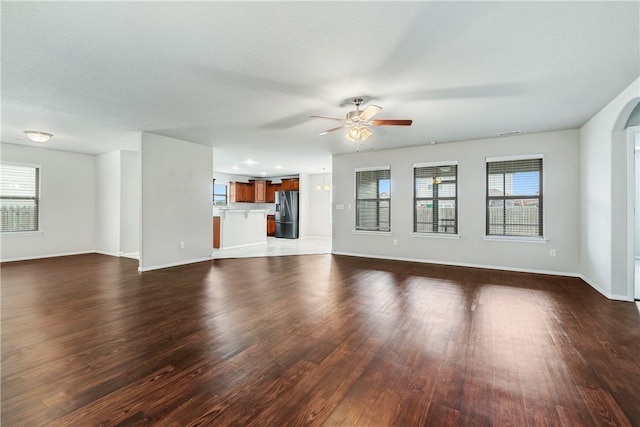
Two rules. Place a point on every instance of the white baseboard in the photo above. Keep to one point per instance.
(173, 264)
(108, 253)
(47, 256)
(132, 255)
(503, 268)
(463, 264)
(609, 295)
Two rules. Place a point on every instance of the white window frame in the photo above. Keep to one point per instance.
(444, 235)
(523, 239)
(357, 230)
(38, 200)
(226, 189)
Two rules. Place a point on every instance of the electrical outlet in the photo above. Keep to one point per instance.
(552, 252)
(181, 245)
(395, 243)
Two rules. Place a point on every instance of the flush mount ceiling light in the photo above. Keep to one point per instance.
(37, 136)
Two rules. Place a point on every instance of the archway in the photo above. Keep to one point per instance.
(626, 198)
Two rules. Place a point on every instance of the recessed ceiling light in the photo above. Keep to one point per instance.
(433, 142)
(37, 136)
(250, 162)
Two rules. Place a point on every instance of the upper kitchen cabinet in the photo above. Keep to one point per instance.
(260, 190)
(271, 191)
(290, 184)
(241, 192)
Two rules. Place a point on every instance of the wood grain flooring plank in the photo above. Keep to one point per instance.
(571, 418)
(603, 408)
(414, 403)
(319, 340)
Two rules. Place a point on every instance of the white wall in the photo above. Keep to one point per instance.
(176, 202)
(319, 206)
(118, 203)
(637, 196)
(304, 212)
(129, 203)
(242, 228)
(603, 179)
(561, 205)
(108, 203)
(67, 204)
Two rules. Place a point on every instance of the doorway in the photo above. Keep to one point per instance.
(634, 137)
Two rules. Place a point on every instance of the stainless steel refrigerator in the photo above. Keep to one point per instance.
(287, 214)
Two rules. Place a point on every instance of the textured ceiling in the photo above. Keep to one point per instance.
(243, 77)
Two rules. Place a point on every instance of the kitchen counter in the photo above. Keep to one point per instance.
(242, 227)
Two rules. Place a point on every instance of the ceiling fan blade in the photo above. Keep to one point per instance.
(333, 130)
(328, 118)
(369, 112)
(391, 122)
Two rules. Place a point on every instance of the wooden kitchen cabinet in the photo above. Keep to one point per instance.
(271, 225)
(241, 192)
(271, 192)
(272, 189)
(216, 232)
(290, 184)
(260, 190)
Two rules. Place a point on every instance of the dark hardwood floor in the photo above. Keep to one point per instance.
(311, 340)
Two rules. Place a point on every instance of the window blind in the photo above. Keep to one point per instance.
(373, 200)
(435, 199)
(19, 198)
(514, 198)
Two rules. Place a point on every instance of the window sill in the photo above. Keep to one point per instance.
(374, 233)
(516, 239)
(436, 235)
(21, 233)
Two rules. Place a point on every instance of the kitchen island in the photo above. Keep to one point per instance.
(242, 227)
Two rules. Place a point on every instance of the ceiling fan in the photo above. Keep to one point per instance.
(358, 121)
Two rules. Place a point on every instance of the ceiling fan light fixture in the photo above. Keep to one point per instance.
(355, 121)
(365, 133)
(37, 136)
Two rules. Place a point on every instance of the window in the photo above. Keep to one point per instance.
(19, 198)
(373, 199)
(435, 198)
(219, 195)
(514, 197)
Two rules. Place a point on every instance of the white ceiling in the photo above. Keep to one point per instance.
(243, 77)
